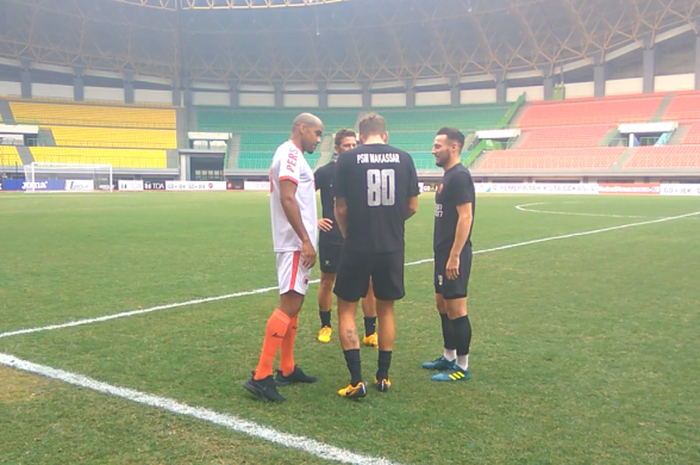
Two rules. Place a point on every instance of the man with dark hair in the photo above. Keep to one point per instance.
(376, 191)
(294, 229)
(452, 247)
(330, 243)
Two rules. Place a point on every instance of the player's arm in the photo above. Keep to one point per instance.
(324, 224)
(413, 190)
(340, 189)
(411, 207)
(288, 190)
(341, 214)
(461, 190)
(464, 225)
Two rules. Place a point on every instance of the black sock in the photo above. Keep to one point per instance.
(352, 359)
(463, 334)
(448, 332)
(325, 318)
(384, 364)
(370, 325)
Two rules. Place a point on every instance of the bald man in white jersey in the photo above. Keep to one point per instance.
(294, 232)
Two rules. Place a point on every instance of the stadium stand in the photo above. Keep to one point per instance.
(609, 110)
(693, 134)
(684, 107)
(222, 119)
(412, 130)
(118, 158)
(9, 156)
(665, 157)
(92, 115)
(77, 136)
(552, 159)
(467, 118)
(564, 136)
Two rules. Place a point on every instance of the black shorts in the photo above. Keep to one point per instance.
(355, 269)
(452, 288)
(329, 256)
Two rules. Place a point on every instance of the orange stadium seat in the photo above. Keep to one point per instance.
(665, 157)
(684, 107)
(601, 111)
(565, 136)
(693, 134)
(552, 159)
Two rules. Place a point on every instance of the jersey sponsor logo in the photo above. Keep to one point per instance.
(378, 158)
(292, 160)
(438, 210)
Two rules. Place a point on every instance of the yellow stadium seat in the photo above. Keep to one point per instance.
(76, 136)
(92, 115)
(9, 156)
(118, 158)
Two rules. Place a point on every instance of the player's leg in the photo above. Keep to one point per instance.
(455, 299)
(351, 284)
(329, 254)
(262, 384)
(449, 353)
(325, 303)
(369, 310)
(290, 304)
(388, 279)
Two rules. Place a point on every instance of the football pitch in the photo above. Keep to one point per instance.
(585, 313)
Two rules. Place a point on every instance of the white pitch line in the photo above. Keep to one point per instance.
(523, 208)
(247, 427)
(268, 289)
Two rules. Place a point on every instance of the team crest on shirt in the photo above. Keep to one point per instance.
(439, 188)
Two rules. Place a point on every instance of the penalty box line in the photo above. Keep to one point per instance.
(263, 290)
(231, 422)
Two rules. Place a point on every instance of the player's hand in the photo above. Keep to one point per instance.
(308, 254)
(452, 267)
(325, 224)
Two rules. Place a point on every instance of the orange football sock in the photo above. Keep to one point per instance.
(287, 350)
(274, 335)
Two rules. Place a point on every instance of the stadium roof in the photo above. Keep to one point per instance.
(351, 42)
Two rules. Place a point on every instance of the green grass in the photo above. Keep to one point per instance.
(584, 350)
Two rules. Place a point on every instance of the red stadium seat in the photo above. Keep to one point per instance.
(665, 157)
(552, 159)
(612, 110)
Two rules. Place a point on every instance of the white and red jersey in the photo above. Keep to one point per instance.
(289, 164)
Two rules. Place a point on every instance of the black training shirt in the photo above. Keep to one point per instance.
(376, 181)
(456, 188)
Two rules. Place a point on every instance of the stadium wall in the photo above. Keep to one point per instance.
(424, 99)
(388, 100)
(251, 96)
(300, 100)
(478, 96)
(161, 97)
(13, 89)
(676, 82)
(52, 91)
(624, 86)
(211, 98)
(344, 100)
(104, 94)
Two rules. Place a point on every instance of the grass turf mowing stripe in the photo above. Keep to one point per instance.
(523, 208)
(101, 319)
(311, 446)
